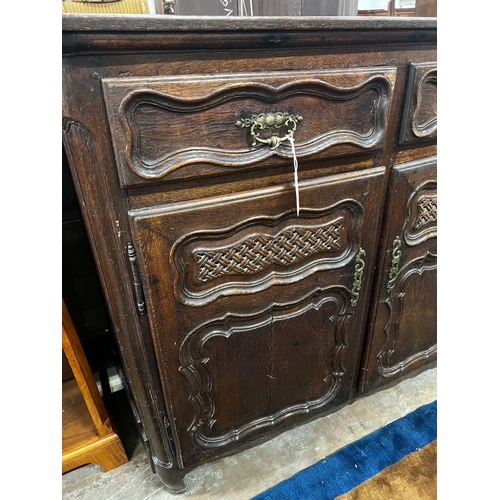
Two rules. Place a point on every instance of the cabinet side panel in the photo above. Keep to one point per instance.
(88, 147)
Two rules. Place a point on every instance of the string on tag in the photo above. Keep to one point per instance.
(295, 171)
(243, 7)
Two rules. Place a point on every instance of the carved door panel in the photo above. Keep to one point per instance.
(404, 334)
(257, 314)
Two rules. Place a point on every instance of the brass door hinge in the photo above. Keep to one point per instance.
(138, 291)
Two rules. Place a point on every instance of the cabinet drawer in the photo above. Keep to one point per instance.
(420, 109)
(167, 128)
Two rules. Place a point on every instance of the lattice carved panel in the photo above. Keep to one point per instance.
(261, 252)
(421, 214)
(427, 211)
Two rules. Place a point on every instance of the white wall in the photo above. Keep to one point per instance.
(382, 4)
(405, 4)
(372, 4)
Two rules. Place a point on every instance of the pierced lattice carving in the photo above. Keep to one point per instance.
(257, 253)
(427, 211)
(421, 214)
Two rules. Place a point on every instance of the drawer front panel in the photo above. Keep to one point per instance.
(173, 128)
(269, 332)
(420, 111)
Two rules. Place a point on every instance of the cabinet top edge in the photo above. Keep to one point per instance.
(176, 24)
(125, 33)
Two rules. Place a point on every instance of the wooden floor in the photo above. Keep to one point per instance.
(241, 476)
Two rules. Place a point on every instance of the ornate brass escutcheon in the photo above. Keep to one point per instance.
(264, 121)
(396, 256)
(358, 276)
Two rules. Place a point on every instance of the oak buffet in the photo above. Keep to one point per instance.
(244, 303)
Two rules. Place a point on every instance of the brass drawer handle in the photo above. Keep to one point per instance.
(275, 120)
(396, 256)
(358, 276)
(264, 121)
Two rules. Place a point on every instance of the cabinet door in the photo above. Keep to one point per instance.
(257, 314)
(404, 329)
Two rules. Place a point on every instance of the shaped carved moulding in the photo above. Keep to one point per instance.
(166, 128)
(264, 251)
(420, 111)
(310, 336)
(419, 277)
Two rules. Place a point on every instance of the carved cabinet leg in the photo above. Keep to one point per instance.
(172, 479)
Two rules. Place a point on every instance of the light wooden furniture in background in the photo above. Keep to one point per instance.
(105, 6)
(426, 8)
(87, 435)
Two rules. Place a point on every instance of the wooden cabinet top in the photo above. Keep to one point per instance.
(109, 33)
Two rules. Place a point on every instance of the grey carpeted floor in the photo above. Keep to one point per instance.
(241, 476)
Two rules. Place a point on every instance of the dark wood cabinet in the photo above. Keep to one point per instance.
(248, 295)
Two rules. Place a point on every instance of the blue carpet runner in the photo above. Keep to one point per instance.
(359, 461)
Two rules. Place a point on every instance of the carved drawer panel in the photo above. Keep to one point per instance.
(420, 109)
(253, 309)
(166, 128)
(404, 335)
